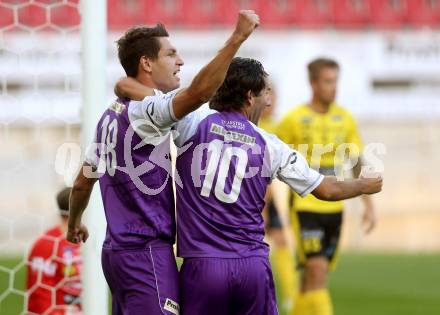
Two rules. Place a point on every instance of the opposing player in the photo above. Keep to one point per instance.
(53, 284)
(132, 161)
(324, 123)
(224, 165)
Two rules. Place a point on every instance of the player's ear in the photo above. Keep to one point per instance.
(145, 64)
(250, 98)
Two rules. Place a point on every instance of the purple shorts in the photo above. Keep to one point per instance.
(142, 281)
(227, 286)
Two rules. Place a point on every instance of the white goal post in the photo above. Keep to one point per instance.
(93, 90)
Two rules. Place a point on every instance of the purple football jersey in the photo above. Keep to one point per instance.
(132, 156)
(224, 165)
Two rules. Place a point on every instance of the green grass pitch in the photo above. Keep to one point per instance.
(378, 284)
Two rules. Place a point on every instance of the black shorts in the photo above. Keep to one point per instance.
(273, 219)
(318, 234)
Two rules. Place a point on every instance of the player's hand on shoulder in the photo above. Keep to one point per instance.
(247, 21)
(78, 234)
(371, 183)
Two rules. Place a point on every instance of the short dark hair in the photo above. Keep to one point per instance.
(63, 197)
(315, 66)
(244, 74)
(137, 42)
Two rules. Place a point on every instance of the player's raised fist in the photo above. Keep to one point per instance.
(371, 184)
(247, 21)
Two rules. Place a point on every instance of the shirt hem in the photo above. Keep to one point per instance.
(220, 256)
(156, 243)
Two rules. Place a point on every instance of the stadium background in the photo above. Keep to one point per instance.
(389, 51)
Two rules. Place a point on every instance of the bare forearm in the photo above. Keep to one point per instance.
(202, 87)
(129, 87)
(79, 200)
(346, 189)
(331, 189)
(207, 81)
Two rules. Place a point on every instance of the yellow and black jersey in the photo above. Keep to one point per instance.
(309, 132)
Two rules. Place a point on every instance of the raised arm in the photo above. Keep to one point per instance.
(209, 78)
(133, 89)
(79, 198)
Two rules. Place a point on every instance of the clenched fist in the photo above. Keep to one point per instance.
(77, 235)
(371, 184)
(247, 21)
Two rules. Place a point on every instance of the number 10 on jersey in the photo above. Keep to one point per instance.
(219, 164)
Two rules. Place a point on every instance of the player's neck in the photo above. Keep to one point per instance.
(249, 115)
(318, 106)
(147, 81)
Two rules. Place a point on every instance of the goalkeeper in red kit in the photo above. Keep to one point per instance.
(53, 283)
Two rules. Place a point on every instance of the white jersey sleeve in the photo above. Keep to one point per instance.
(153, 117)
(187, 126)
(290, 166)
(91, 153)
